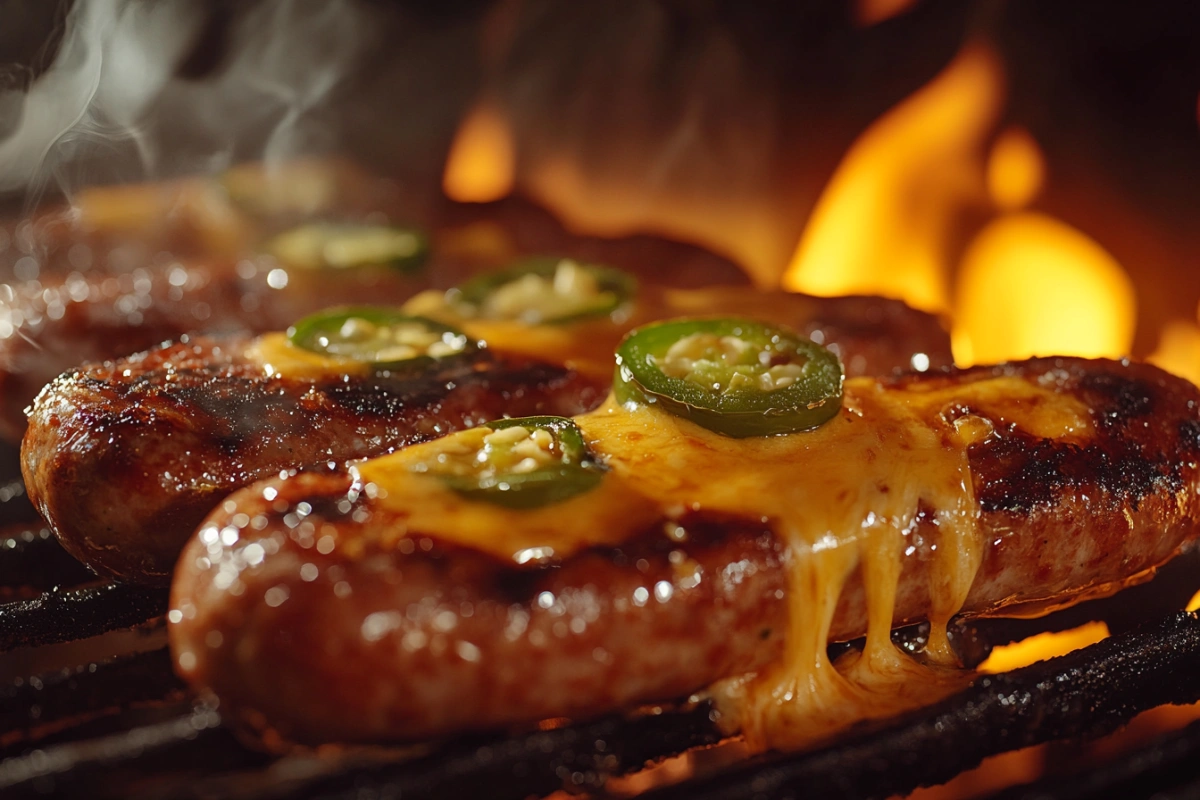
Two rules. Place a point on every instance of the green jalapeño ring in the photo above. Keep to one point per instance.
(545, 291)
(346, 245)
(524, 463)
(381, 337)
(735, 377)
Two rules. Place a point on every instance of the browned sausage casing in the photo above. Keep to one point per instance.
(59, 322)
(123, 459)
(424, 638)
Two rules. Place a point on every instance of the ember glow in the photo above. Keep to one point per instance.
(481, 164)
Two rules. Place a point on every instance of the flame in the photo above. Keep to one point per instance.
(1178, 352)
(1016, 169)
(884, 223)
(482, 163)
(1042, 646)
(1194, 603)
(1031, 285)
(871, 12)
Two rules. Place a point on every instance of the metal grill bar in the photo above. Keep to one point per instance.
(1086, 693)
(33, 707)
(578, 757)
(63, 615)
(1164, 769)
(183, 748)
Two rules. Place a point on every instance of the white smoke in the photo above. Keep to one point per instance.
(111, 107)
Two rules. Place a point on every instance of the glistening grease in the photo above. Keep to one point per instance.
(845, 497)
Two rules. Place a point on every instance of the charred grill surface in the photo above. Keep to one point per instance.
(38, 706)
(125, 458)
(1084, 694)
(64, 615)
(354, 626)
(1164, 770)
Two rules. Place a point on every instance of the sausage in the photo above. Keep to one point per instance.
(61, 320)
(123, 459)
(91, 430)
(315, 611)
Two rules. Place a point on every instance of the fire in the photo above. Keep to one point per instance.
(1178, 352)
(870, 12)
(1016, 169)
(482, 162)
(1043, 646)
(885, 222)
(1031, 285)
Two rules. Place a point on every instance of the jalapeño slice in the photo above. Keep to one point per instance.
(344, 245)
(382, 337)
(522, 463)
(546, 290)
(736, 377)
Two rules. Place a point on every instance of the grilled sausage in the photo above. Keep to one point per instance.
(311, 609)
(123, 459)
(91, 430)
(57, 322)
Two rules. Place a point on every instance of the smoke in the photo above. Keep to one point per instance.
(112, 106)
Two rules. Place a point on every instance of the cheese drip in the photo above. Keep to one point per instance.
(844, 498)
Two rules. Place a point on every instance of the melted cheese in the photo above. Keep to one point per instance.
(844, 498)
(278, 356)
(606, 515)
(585, 345)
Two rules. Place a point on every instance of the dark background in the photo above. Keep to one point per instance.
(776, 91)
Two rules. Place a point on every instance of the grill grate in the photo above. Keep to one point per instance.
(1166, 769)
(125, 726)
(1086, 693)
(62, 615)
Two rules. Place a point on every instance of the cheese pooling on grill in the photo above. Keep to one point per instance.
(844, 497)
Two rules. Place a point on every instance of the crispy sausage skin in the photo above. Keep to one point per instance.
(417, 638)
(123, 459)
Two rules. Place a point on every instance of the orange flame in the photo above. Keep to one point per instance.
(1178, 352)
(1016, 169)
(481, 166)
(1042, 646)
(870, 12)
(884, 223)
(1031, 285)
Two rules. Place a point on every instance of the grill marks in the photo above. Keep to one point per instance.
(125, 458)
(1147, 428)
